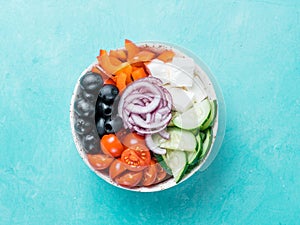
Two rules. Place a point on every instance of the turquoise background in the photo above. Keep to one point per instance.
(252, 47)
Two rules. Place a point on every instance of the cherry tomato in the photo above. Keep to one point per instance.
(130, 179)
(99, 161)
(136, 157)
(116, 168)
(150, 174)
(133, 139)
(161, 173)
(111, 145)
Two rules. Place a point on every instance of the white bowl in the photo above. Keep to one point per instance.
(213, 91)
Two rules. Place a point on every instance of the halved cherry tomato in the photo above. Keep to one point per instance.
(150, 174)
(136, 155)
(161, 173)
(111, 145)
(116, 168)
(132, 139)
(99, 161)
(130, 179)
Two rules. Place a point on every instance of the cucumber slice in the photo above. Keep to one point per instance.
(202, 135)
(210, 120)
(194, 117)
(193, 157)
(177, 162)
(207, 142)
(182, 140)
(163, 164)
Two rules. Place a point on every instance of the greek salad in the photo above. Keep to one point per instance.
(143, 116)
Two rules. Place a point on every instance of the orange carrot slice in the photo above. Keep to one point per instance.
(138, 74)
(102, 52)
(105, 63)
(121, 81)
(131, 48)
(128, 71)
(95, 70)
(109, 81)
(142, 56)
(166, 56)
(115, 61)
(119, 54)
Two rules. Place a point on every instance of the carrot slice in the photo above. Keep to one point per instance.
(121, 81)
(104, 62)
(142, 56)
(115, 61)
(102, 52)
(131, 48)
(103, 75)
(95, 70)
(109, 81)
(138, 74)
(166, 56)
(127, 69)
(119, 54)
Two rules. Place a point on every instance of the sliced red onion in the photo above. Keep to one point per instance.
(152, 146)
(145, 107)
(164, 134)
(134, 108)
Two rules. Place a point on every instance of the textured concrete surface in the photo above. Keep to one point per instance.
(252, 47)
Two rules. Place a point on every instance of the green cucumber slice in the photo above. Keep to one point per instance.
(210, 120)
(202, 135)
(177, 162)
(163, 164)
(207, 142)
(193, 157)
(194, 117)
(182, 140)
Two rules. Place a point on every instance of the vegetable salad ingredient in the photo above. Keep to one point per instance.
(123, 66)
(158, 89)
(133, 139)
(136, 156)
(111, 145)
(145, 106)
(100, 161)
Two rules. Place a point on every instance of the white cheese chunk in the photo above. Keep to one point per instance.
(182, 99)
(159, 69)
(198, 90)
(178, 73)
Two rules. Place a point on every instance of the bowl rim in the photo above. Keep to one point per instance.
(218, 127)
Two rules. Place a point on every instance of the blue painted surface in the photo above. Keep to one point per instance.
(252, 47)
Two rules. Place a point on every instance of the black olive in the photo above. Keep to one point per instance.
(91, 97)
(108, 93)
(83, 108)
(100, 127)
(113, 125)
(104, 110)
(82, 126)
(108, 126)
(91, 82)
(91, 143)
